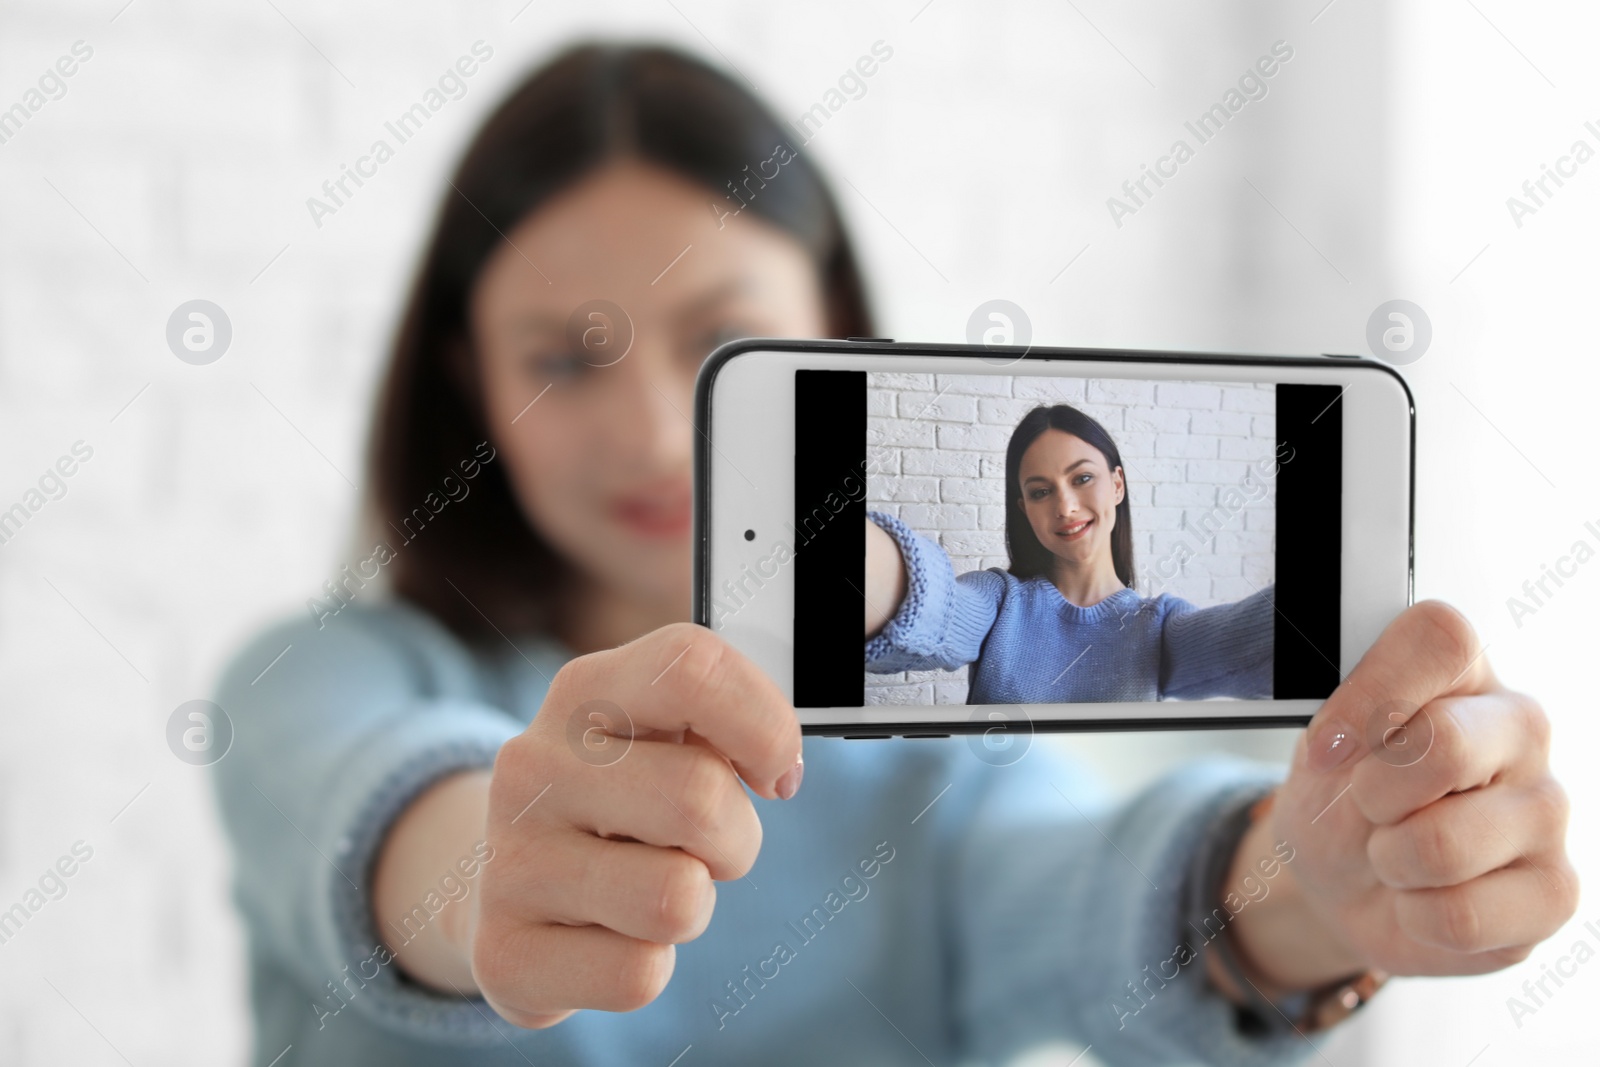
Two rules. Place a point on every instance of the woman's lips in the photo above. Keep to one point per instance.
(656, 517)
(1074, 531)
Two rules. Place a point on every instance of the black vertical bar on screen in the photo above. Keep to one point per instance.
(830, 562)
(1307, 566)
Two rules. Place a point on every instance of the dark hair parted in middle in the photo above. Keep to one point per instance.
(1028, 557)
(485, 567)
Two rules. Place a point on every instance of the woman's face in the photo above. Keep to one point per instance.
(598, 444)
(1070, 496)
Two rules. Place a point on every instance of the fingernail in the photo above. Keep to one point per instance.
(789, 784)
(1330, 746)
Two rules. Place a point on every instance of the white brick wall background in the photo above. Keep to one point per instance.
(177, 165)
(936, 452)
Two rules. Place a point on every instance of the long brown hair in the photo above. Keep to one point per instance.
(481, 567)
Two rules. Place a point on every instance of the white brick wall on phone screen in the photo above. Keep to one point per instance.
(936, 460)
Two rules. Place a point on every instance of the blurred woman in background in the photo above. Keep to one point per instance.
(506, 792)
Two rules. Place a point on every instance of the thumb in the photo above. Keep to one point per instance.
(1429, 650)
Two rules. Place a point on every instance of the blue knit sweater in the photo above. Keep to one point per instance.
(1008, 905)
(1029, 645)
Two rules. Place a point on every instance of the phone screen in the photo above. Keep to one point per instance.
(1064, 539)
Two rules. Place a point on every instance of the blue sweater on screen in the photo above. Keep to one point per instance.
(1028, 644)
(998, 913)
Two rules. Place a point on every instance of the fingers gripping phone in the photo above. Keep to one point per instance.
(930, 539)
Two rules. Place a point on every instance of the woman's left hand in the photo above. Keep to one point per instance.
(1428, 832)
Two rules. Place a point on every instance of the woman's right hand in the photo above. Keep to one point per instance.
(606, 849)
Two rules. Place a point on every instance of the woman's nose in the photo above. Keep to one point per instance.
(647, 413)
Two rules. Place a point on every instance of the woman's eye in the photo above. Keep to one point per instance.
(719, 336)
(556, 367)
(1084, 479)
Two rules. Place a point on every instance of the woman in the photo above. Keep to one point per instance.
(449, 841)
(1063, 623)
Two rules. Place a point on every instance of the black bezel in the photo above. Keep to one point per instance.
(702, 502)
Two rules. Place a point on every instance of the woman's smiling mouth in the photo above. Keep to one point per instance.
(661, 512)
(1073, 531)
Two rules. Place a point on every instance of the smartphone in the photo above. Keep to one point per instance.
(926, 539)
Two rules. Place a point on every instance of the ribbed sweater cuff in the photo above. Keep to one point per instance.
(923, 625)
(409, 755)
(1188, 812)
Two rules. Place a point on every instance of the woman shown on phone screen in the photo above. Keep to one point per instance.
(508, 810)
(1063, 622)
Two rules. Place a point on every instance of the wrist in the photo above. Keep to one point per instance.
(1280, 938)
(1286, 966)
(425, 886)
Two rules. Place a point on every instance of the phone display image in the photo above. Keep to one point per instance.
(1047, 539)
(1087, 540)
